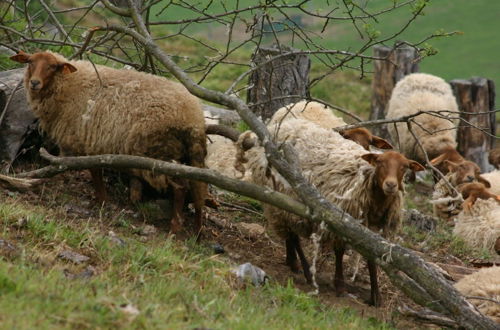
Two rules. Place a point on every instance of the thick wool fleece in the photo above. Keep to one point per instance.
(334, 166)
(483, 283)
(423, 92)
(479, 226)
(444, 206)
(494, 179)
(103, 110)
(312, 111)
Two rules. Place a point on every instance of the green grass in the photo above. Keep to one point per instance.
(172, 284)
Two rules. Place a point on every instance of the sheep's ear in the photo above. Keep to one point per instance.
(416, 166)
(21, 57)
(67, 68)
(438, 160)
(486, 183)
(380, 143)
(497, 198)
(370, 158)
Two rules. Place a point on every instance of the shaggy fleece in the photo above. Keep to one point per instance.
(423, 92)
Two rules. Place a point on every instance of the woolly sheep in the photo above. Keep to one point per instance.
(479, 225)
(323, 116)
(346, 175)
(446, 206)
(423, 92)
(483, 283)
(90, 110)
(494, 179)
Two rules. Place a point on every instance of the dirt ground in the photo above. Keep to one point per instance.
(72, 194)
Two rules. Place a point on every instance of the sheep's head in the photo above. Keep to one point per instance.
(494, 157)
(365, 138)
(472, 191)
(465, 171)
(42, 67)
(390, 168)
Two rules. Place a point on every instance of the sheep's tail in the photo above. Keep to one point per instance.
(244, 139)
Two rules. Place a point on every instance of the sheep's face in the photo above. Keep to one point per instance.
(364, 138)
(466, 171)
(390, 168)
(42, 67)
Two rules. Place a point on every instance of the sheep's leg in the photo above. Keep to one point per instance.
(291, 256)
(135, 187)
(375, 294)
(199, 194)
(338, 281)
(98, 183)
(179, 199)
(303, 260)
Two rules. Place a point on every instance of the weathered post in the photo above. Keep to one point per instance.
(400, 61)
(476, 131)
(277, 78)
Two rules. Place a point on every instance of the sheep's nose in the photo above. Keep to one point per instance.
(34, 82)
(391, 184)
(470, 178)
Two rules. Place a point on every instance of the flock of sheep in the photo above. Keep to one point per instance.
(90, 109)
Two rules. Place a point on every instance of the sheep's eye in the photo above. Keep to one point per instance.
(53, 66)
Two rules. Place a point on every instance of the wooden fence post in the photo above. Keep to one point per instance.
(287, 75)
(400, 62)
(474, 96)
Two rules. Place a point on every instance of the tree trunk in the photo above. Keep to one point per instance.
(274, 81)
(15, 114)
(400, 62)
(476, 131)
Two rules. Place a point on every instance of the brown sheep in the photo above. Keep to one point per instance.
(91, 110)
(365, 185)
(494, 157)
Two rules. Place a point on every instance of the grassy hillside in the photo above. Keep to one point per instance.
(133, 278)
(473, 52)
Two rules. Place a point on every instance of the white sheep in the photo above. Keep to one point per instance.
(445, 202)
(314, 112)
(493, 178)
(423, 92)
(366, 185)
(479, 226)
(479, 221)
(91, 110)
(484, 283)
(323, 116)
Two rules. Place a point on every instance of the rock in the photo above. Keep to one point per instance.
(21, 223)
(113, 238)
(18, 118)
(130, 310)
(84, 275)
(8, 250)
(74, 257)
(148, 230)
(218, 249)
(250, 230)
(420, 221)
(250, 273)
(77, 210)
